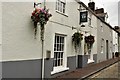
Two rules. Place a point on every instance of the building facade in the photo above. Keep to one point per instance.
(119, 26)
(115, 41)
(102, 30)
(22, 54)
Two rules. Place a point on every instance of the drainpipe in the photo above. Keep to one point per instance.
(43, 62)
(42, 59)
(77, 59)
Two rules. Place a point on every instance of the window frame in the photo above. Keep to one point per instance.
(57, 69)
(60, 6)
(101, 26)
(59, 45)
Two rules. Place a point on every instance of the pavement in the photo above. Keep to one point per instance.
(84, 73)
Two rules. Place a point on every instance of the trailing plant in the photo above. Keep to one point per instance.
(76, 39)
(89, 40)
(117, 54)
(41, 16)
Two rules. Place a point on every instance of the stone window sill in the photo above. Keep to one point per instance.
(61, 13)
(59, 69)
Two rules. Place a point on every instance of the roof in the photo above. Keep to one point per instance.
(96, 15)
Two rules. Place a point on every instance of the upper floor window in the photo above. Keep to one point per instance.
(102, 45)
(101, 27)
(89, 21)
(60, 6)
(110, 33)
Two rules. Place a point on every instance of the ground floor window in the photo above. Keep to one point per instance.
(58, 50)
(60, 58)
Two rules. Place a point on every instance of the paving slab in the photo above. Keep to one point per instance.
(84, 73)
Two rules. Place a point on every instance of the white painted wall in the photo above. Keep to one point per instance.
(106, 35)
(94, 32)
(52, 28)
(18, 35)
(18, 39)
(0, 41)
(115, 41)
(90, 29)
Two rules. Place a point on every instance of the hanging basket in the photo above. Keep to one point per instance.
(41, 16)
(89, 39)
(76, 39)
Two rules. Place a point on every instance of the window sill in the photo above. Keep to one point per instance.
(59, 69)
(61, 13)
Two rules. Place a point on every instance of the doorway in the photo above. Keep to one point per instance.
(107, 50)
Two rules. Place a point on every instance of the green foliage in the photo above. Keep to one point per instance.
(89, 40)
(76, 39)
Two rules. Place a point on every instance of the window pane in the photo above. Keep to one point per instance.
(60, 6)
(61, 39)
(55, 56)
(55, 39)
(62, 47)
(58, 62)
(55, 62)
(54, 47)
(61, 54)
(58, 47)
(63, 7)
(58, 39)
(56, 4)
(61, 61)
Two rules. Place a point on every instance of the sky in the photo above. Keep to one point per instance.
(110, 6)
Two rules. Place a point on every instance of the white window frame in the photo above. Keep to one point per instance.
(60, 6)
(58, 50)
(111, 48)
(63, 67)
(110, 33)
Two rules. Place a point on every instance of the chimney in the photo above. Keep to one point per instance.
(99, 11)
(116, 27)
(91, 5)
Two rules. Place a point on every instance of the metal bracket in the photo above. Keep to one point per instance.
(36, 4)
